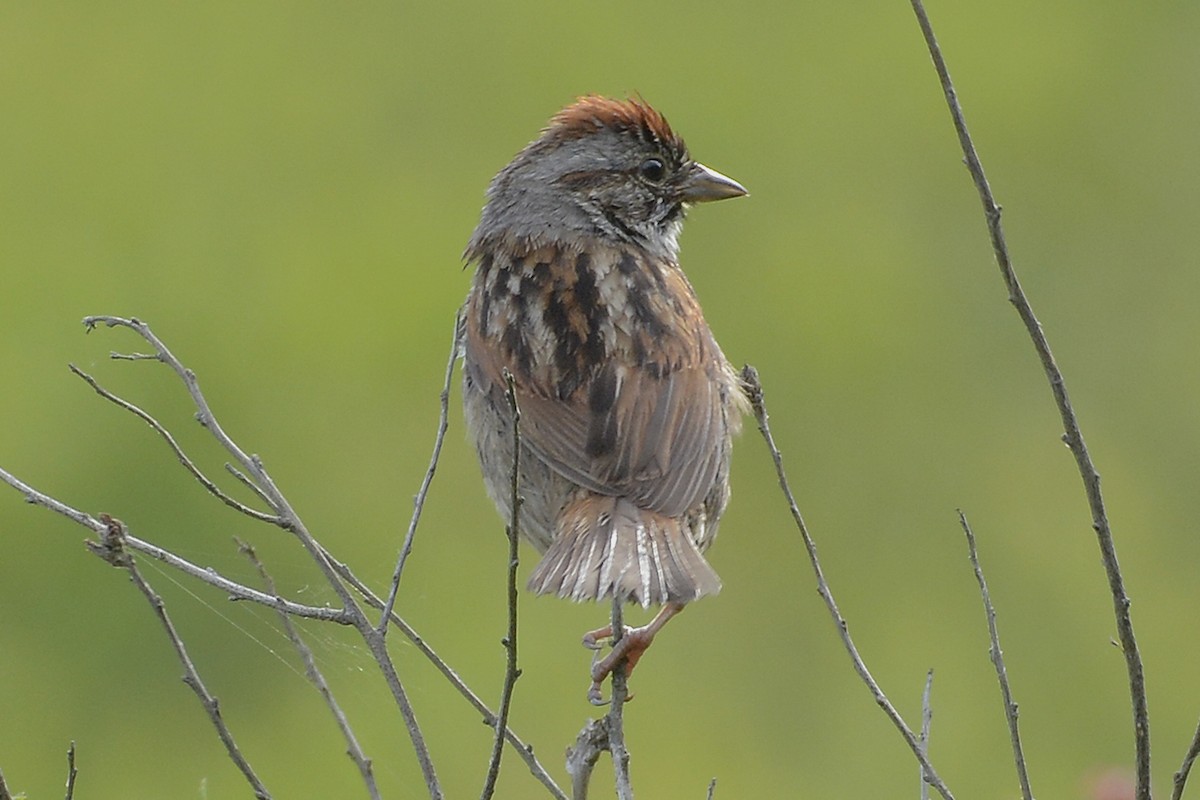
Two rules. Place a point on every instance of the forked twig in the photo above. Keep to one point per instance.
(187, 463)
(314, 675)
(112, 549)
(289, 520)
(755, 392)
(997, 657)
(605, 733)
(423, 492)
(270, 495)
(1072, 435)
(524, 749)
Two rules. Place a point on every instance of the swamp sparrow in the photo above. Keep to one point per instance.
(627, 404)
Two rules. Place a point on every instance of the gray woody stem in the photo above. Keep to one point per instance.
(1072, 435)
(755, 392)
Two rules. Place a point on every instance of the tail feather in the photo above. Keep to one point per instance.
(607, 546)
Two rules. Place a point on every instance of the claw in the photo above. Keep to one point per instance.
(592, 639)
(595, 697)
(628, 649)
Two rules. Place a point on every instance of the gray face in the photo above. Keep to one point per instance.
(614, 184)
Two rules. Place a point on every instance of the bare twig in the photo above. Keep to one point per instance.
(188, 464)
(4, 793)
(71, 771)
(206, 574)
(314, 675)
(926, 725)
(997, 657)
(271, 496)
(712, 788)
(489, 717)
(239, 592)
(511, 671)
(290, 520)
(112, 549)
(607, 733)
(755, 392)
(615, 719)
(1181, 777)
(245, 481)
(419, 500)
(583, 755)
(1072, 436)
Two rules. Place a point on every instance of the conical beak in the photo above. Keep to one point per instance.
(704, 185)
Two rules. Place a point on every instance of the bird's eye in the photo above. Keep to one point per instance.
(653, 170)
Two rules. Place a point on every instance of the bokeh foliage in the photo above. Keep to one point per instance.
(283, 190)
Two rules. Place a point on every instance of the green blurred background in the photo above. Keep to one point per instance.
(283, 190)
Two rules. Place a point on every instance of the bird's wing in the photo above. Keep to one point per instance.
(656, 435)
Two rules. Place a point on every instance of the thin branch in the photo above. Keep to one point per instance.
(511, 671)
(997, 657)
(315, 677)
(112, 549)
(5, 794)
(712, 788)
(239, 592)
(1185, 769)
(419, 500)
(71, 771)
(615, 720)
(755, 392)
(249, 484)
(607, 733)
(290, 520)
(34, 497)
(204, 413)
(1072, 436)
(926, 725)
(583, 755)
(271, 496)
(489, 717)
(206, 574)
(188, 464)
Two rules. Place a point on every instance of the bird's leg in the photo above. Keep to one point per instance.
(629, 648)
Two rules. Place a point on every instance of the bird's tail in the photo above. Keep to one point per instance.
(607, 546)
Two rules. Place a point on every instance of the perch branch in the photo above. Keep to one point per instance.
(755, 392)
(606, 733)
(1073, 436)
(615, 721)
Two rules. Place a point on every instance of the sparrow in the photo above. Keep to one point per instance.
(627, 405)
